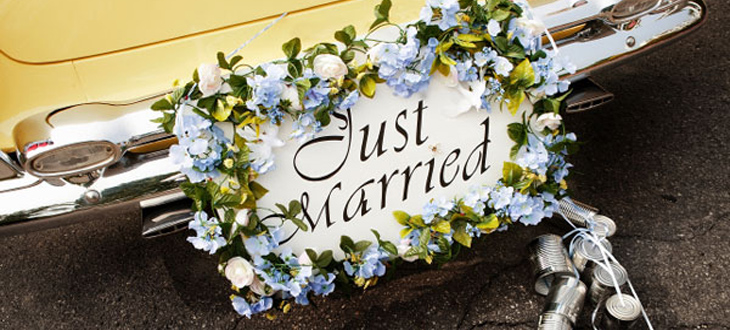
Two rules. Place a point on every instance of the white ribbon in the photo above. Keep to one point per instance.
(589, 234)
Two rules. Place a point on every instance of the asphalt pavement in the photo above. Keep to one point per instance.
(656, 160)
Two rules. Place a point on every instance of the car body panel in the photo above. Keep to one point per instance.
(140, 71)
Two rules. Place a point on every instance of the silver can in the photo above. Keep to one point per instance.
(602, 283)
(603, 226)
(566, 298)
(550, 260)
(618, 315)
(586, 252)
(552, 321)
(576, 212)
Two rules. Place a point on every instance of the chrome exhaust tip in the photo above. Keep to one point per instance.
(587, 95)
(165, 215)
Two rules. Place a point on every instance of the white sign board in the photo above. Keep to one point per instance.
(385, 154)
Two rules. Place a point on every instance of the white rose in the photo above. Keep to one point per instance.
(549, 120)
(209, 76)
(533, 26)
(329, 66)
(259, 287)
(239, 272)
(403, 247)
(291, 94)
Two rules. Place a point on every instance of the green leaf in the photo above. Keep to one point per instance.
(511, 173)
(294, 207)
(442, 227)
(367, 85)
(347, 56)
(401, 217)
(222, 110)
(324, 259)
(517, 133)
(389, 247)
(523, 75)
(470, 37)
(234, 61)
(257, 189)
(417, 220)
(346, 244)
(445, 59)
(222, 62)
(312, 255)
(350, 30)
(343, 37)
(362, 246)
(292, 48)
(464, 44)
(490, 224)
(500, 14)
(299, 223)
(162, 104)
(460, 234)
(515, 97)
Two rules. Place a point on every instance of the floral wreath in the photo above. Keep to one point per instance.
(492, 48)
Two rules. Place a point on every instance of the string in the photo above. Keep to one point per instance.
(607, 257)
(235, 51)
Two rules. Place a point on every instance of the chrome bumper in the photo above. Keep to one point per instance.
(593, 44)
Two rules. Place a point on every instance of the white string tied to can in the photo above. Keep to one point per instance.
(589, 233)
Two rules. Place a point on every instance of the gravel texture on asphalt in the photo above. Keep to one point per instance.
(656, 160)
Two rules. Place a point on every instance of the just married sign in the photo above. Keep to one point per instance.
(324, 169)
(382, 155)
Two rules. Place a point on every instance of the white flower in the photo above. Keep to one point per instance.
(329, 66)
(503, 67)
(403, 247)
(239, 272)
(291, 94)
(261, 145)
(209, 79)
(532, 26)
(242, 218)
(549, 120)
(258, 287)
(493, 27)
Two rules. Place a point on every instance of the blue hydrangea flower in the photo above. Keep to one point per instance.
(243, 308)
(533, 156)
(501, 197)
(350, 100)
(448, 9)
(316, 96)
(305, 127)
(370, 264)
(267, 89)
(440, 207)
(465, 71)
(485, 56)
(208, 233)
(200, 147)
(477, 198)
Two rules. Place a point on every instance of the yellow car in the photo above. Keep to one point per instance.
(75, 125)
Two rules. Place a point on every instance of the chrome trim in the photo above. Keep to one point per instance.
(121, 126)
(147, 175)
(8, 168)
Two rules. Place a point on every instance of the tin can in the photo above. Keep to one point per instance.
(604, 226)
(552, 321)
(586, 253)
(550, 260)
(618, 315)
(602, 284)
(566, 298)
(577, 212)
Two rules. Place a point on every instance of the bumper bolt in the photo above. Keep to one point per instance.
(92, 196)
